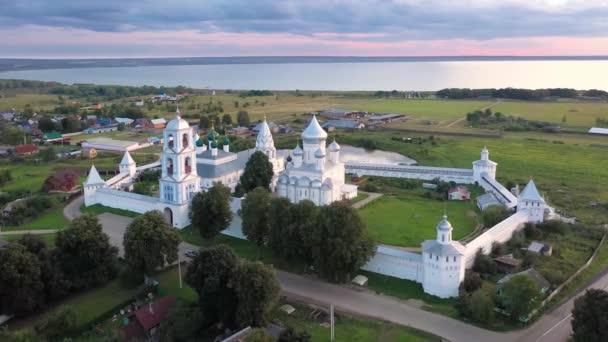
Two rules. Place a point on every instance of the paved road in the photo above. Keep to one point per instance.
(371, 197)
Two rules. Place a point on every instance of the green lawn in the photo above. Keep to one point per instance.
(52, 219)
(49, 239)
(407, 220)
(169, 284)
(100, 209)
(577, 113)
(349, 328)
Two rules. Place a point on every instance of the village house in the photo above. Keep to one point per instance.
(240, 131)
(459, 193)
(26, 149)
(139, 102)
(158, 123)
(507, 263)
(386, 118)
(144, 322)
(330, 125)
(540, 248)
(333, 113)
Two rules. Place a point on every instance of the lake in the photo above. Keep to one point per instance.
(414, 75)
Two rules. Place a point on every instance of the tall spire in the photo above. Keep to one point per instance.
(177, 113)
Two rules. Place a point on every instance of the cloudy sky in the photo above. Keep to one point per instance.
(174, 28)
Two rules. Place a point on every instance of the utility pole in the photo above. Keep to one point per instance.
(179, 270)
(332, 322)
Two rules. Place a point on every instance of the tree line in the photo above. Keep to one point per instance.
(517, 93)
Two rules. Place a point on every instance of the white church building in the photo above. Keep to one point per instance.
(315, 172)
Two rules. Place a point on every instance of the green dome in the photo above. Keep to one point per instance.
(212, 135)
(214, 144)
(200, 142)
(226, 141)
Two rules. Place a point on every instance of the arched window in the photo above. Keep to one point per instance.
(188, 165)
(169, 166)
(442, 237)
(170, 140)
(185, 140)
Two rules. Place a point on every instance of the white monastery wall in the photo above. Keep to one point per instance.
(464, 176)
(396, 263)
(501, 233)
(123, 200)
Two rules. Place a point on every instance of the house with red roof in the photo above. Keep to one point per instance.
(26, 149)
(459, 193)
(145, 320)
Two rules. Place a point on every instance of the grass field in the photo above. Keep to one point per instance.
(49, 239)
(577, 113)
(100, 209)
(52, 219)
(37, 101)
(439, 110)
(409, 220)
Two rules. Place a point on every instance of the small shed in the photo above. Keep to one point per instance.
(26, 149)
(487, 200)
(288, 309)
(360, 280)
(459, 193)
(540, 248)
(159, 123)
(507, 263)
(543, 284)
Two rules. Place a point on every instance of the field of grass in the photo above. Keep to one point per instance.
(576, 113)
(407, 220)
(37, 101)
(49, 239)
(348, 328)
(100, 209)
(169, 284)
(438, 110)
(52, 219)
(566, 168)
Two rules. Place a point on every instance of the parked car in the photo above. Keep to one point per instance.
(191, 254)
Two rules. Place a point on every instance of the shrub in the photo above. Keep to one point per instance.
(498, 249)
(472, 281)
(494, 214)
(532, 232)
(58, 324)
(484, 264)
(482, 307)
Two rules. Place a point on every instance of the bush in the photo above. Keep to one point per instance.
(532, 232)
(518, 240)
(58, 324)
(130, 279)
(472, 281)
(498, 249)
(484, 264)
(554, 227)
(369, 187)
(482, 307)
(494, 214)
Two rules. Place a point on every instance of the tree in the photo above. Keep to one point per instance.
(57, 324)
(255, 210)
(183, 323)
(21, 287)
(341, 244)
(48, 154)
(472, 281)
(482, 307)
(85, 254)
(590, 316)
(150, 242)
(281, 229)
(242, 118)
(257, 290)
(493, 215)
(259, 335)
(227, 119)
(483, 263)
(210, 211)
(211, 275)
(305, 215)
(520, 294)
(45, 124)
(258, 172)
(122, 126)
(289, 334)
(204, 122)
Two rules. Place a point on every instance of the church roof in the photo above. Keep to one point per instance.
(334, 147)
(444, 224)
(94, 178)
(126, 159)
(443, 249)
(178, 122)
(314, 130)
(214, 171)
(531, 193)
(298, 150)
(319, 153)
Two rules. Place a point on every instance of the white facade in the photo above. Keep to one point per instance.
(315, 171)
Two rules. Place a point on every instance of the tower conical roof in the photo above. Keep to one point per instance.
(334, 147)
(444, 224)
(298, 150)
(126, 159)
(314, 130)
(531, 193)
(94, 178)
(178, 122)
(264, 135)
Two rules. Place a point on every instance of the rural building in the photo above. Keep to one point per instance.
(338, 114)
(62, 180)
(102, 129)
(540, 248)
(487, 200)
(142, 123)
(54, 138)
(139, 102)
(107, 144)
(91, 117)
(507, 263)
(126, 121)
(598, 130)
(543, 284)
(459, 193)
(103, 122)
(158, 123)
(240, 131)
(386, 118)
(271, 125)
(8, 116)
(345, 124)
(284, 129)
(144, 322)
(26, 149)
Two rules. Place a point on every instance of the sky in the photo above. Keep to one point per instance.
(188, 28)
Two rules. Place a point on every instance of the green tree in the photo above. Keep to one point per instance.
(258, 172)
(227, 119)
(520, 295)
(48, 154)
(341, 244)
(150, 242)
(122, 126)
(184, 323)
(204, 122)
(493, 215)
(21, 287)
(210, 210)
(211, 275)
(257, 291)
(85, 254)
(289, 334)
(590, 316)
(281, 230)
(242, 118)
(255, 209)
(45, 124)
(58, 324)
(483, 263)
(305, 215)
(482, 307)
(259, 335)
